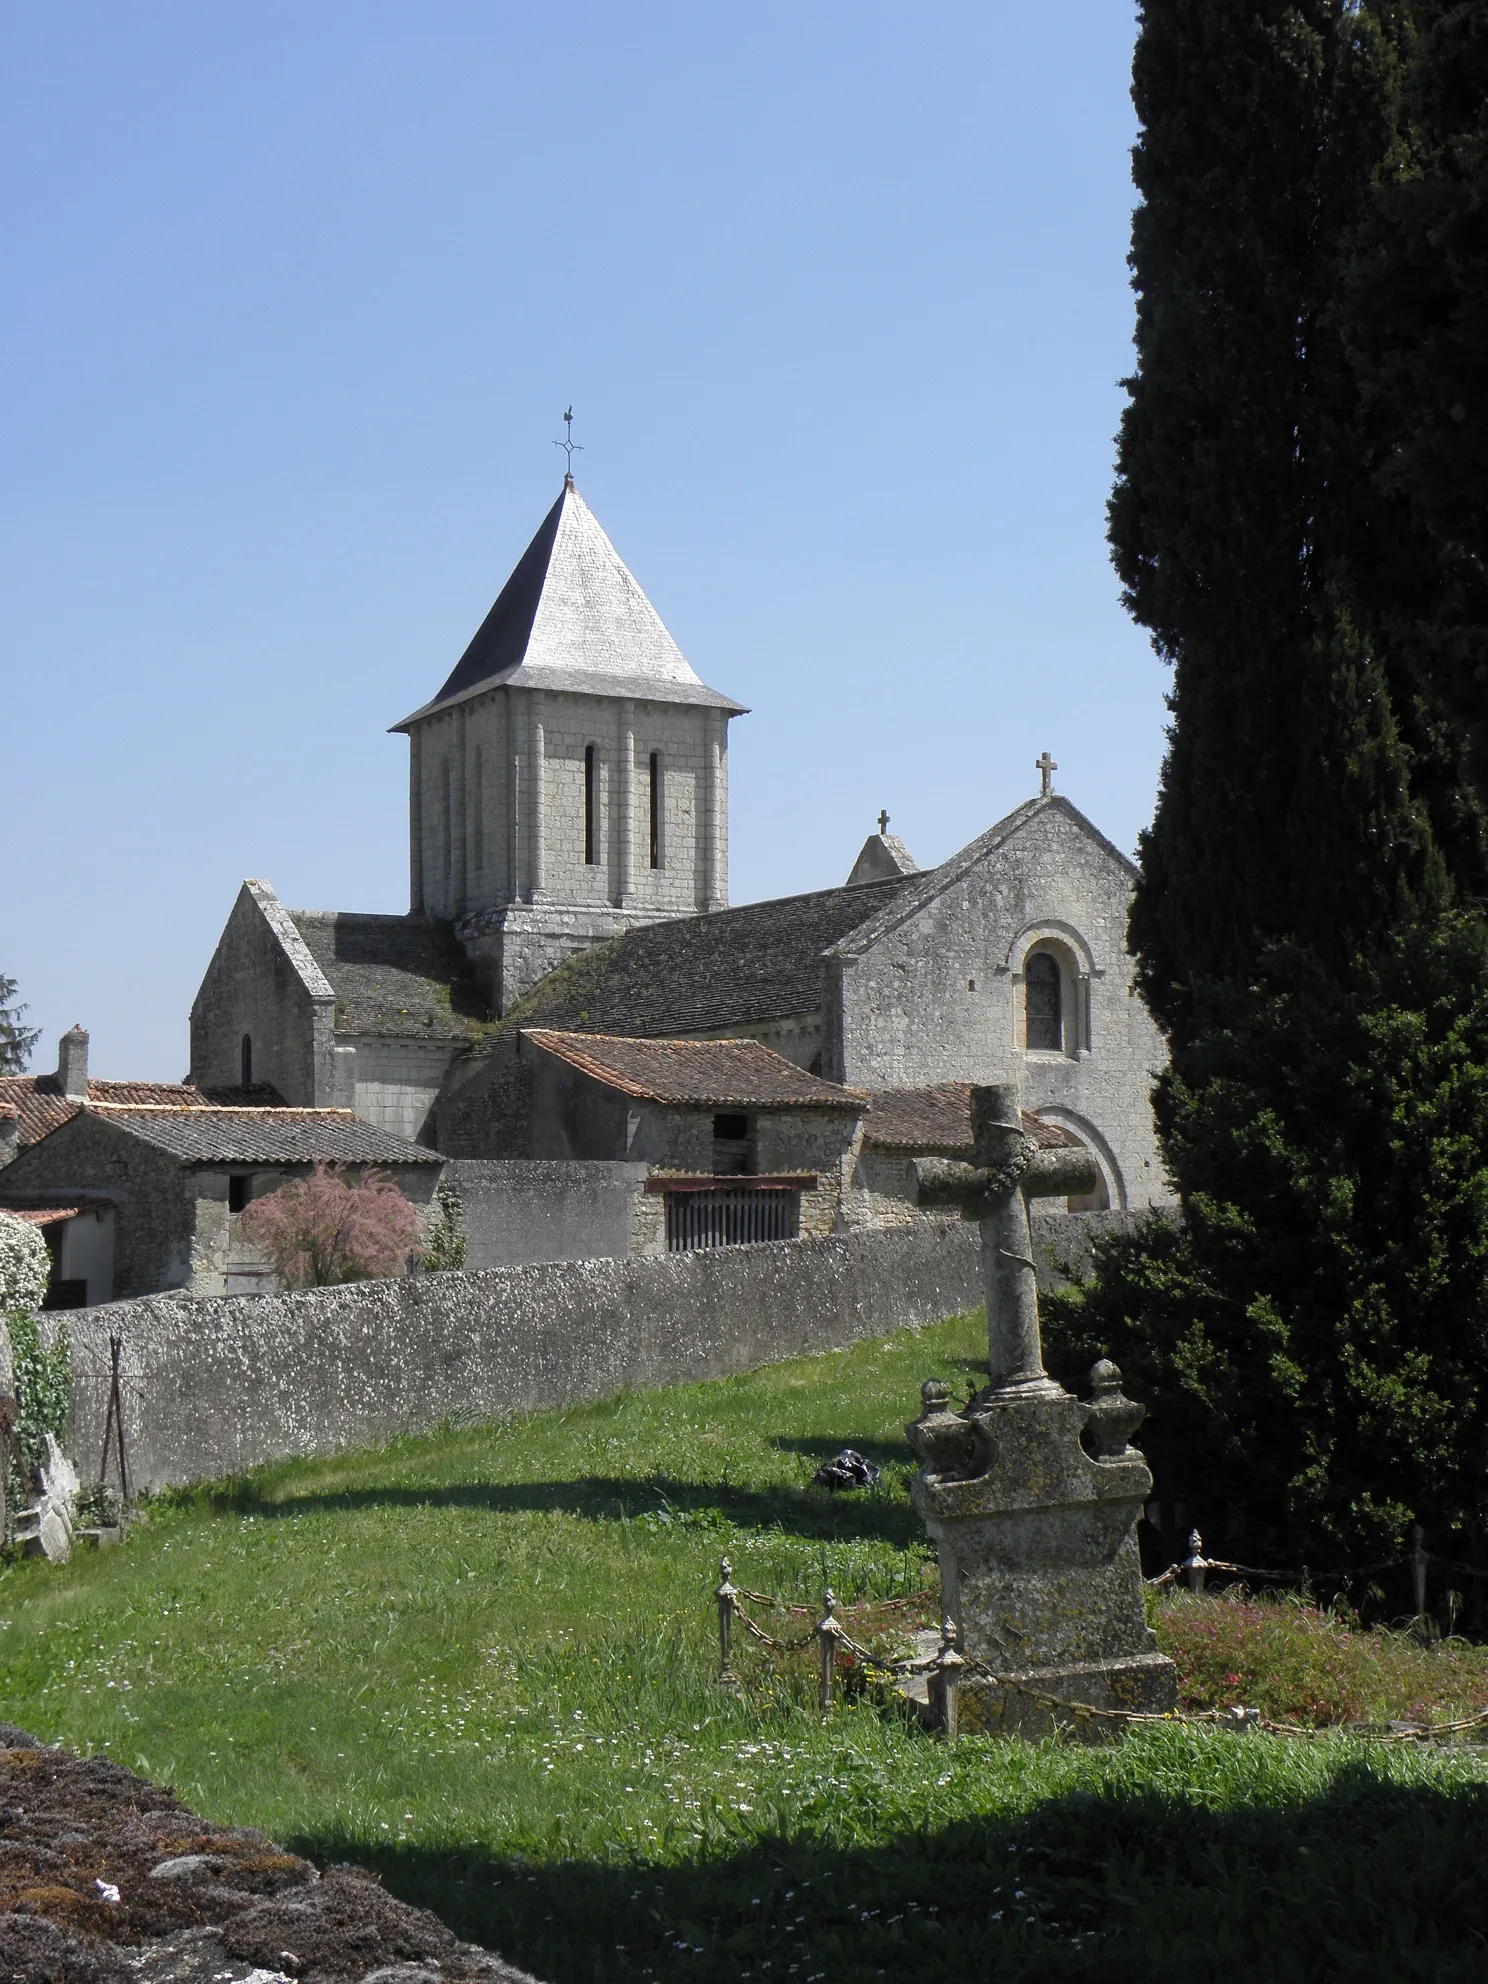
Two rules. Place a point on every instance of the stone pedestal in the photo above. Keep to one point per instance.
(1038, 1558)
(1032, 1496)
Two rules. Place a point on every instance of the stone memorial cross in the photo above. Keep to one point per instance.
(1031, 1495)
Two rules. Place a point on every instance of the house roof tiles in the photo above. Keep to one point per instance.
(265, 1136)
(740, 1074)
(936, 1121)
(40, 1104)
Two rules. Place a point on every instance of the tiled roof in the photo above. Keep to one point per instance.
(937, 1122)
(266, 1136)
(39, 1102)
(43, 1215)
(699, 974)
(571, 617)
(700, 1074)
(398, 975)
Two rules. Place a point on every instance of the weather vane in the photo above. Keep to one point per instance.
(569, 445)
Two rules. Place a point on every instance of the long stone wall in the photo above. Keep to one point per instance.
(211, 1387)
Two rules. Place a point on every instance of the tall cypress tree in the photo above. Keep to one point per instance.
(1315, 1335)
(1415, 320)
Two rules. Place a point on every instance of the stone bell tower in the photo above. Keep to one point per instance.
(570, 779)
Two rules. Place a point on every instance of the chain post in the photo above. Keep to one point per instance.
(945, 1681)
(828, 1632)
(1195, 1565)
(1419, 1558)
(728, 1600)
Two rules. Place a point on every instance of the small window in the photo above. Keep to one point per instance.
(478, 811)
(656, 809)
(1043, 993)
(247, 1060)
(237, 1193)
(733, 1156)
(591, 806)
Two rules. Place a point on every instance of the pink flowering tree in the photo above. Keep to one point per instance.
(328, 1228)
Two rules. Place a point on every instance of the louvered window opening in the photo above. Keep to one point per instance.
(730, 1218)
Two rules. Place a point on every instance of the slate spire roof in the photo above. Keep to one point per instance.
(571, 617)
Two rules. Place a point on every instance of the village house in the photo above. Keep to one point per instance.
(135, 1198)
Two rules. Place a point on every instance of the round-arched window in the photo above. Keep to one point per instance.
(1043, 995)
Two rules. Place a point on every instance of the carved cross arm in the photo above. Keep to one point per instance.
(975, 1190)
(1068, 1169)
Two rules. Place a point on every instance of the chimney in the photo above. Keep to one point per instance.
(10, 1132)
(72, 1064)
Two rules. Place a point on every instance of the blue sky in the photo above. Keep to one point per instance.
(295, 297)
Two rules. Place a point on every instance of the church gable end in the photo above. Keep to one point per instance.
(1009, 962)
(264, 1011)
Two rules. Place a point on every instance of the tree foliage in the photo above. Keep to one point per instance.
(444, 1247)
(1308, 259)
(41, 1363)
(329, 1228)
(16, 1040)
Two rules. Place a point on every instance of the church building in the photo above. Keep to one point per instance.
(568, 841)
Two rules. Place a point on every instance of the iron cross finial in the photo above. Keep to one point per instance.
(1046, 769)
(569, 445)
(883, 823)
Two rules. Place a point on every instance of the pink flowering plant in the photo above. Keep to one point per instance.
(333, 1227)
(1298, 1663)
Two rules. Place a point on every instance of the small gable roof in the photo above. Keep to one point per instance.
(936, 1122)
(571, 617)
(697, 974)
(701, 1074)
(393, 975)
(880, 855)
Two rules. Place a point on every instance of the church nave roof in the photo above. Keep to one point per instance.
(698, 973)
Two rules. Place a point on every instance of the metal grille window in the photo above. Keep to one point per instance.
(730, 1217)
(1042, 991)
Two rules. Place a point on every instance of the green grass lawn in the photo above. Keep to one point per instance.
(482, 1663)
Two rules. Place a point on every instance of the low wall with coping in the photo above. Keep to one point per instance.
(211, 1387)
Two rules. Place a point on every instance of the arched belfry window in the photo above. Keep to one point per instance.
(1043, 993)
(247, 1060)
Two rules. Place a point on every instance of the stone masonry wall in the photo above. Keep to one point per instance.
(155, 1214)
(523, 1209)
(398, 1082)
(214, 1388)
(476, 781)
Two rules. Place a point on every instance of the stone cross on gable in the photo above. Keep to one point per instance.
(1045, 766)
(883, 823)
(1007, 1170)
